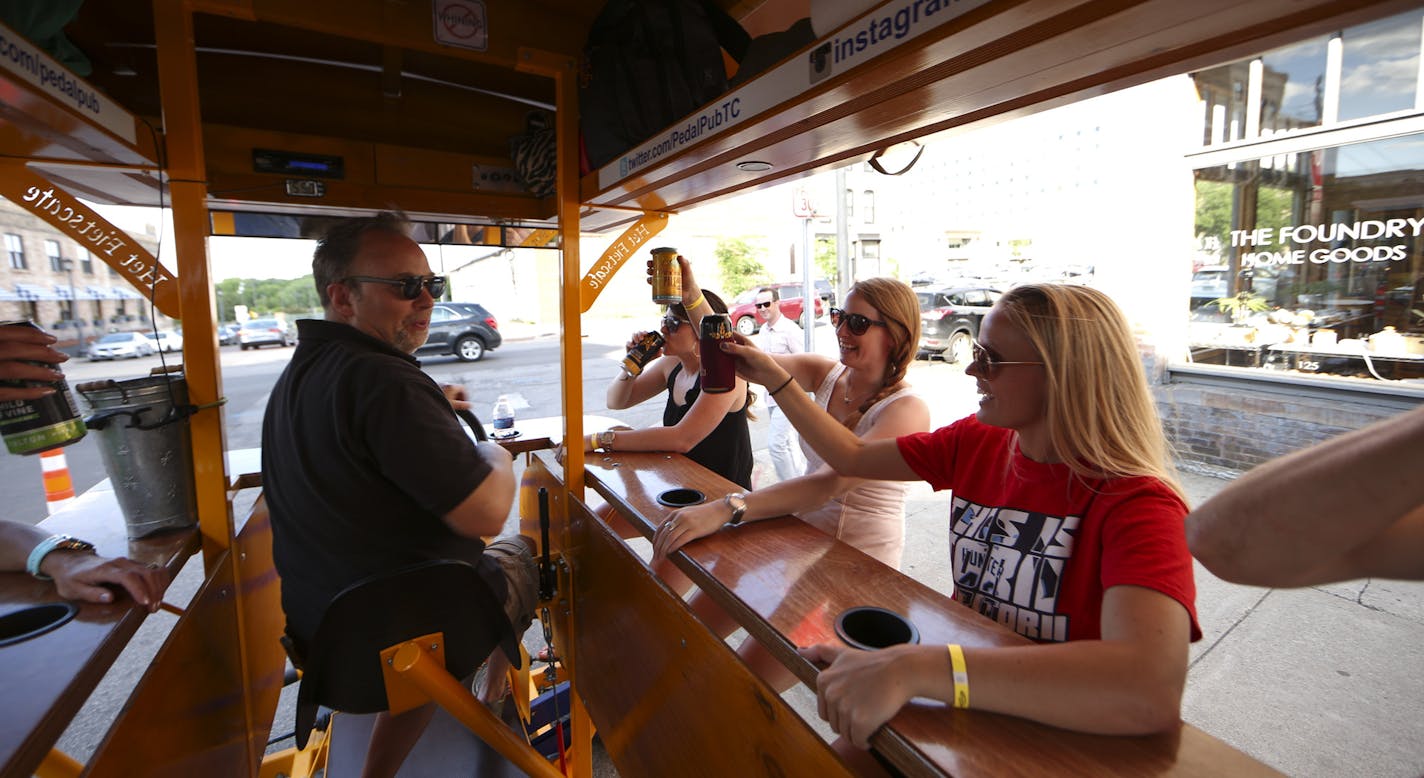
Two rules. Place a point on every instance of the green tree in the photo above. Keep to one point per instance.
(740, 266)
(266, 296)
(1214, 211)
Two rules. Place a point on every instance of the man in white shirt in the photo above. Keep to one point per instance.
(779, 335)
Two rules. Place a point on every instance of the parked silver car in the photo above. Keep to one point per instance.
(121, 345)
(262, 332)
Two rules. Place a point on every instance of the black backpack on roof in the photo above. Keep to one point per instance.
(648, 63)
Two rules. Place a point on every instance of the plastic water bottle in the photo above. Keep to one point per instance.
(503, 416)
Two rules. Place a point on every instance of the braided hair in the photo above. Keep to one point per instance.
(900, 309)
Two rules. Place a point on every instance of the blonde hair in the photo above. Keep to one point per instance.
(900, 309)
(1102, 421)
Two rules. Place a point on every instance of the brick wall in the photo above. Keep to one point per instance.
(1239, 427)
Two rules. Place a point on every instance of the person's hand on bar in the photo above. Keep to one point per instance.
(859, 691)
(78, 574)
(87, 577)
(688, 524)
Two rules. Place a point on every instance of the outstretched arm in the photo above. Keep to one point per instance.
(1351, 507)
(838, 446)
(904, 416)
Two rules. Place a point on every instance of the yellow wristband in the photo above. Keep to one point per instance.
(593, 441)
(961, 676)
(701, 298)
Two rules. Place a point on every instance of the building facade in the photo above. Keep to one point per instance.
(1306, 310)
(51, 280)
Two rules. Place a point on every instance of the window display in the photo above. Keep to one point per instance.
(1318, 264)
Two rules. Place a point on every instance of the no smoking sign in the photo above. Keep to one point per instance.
(461, 23)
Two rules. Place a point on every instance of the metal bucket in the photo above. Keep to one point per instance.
(147, 448)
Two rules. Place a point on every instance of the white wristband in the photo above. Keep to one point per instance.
(53, 543)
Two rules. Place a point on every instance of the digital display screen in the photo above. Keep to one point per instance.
(294, 163)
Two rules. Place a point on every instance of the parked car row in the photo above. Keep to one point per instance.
(121, 345)
(132, 345)
(465, 330)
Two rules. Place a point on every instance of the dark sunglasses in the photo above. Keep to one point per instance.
(764, 305)
(988, 366)
(410, 286)
(858, 324)
(671, 323)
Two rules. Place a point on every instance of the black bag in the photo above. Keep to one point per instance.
(535, 154)
(771, 48)
(648, 63)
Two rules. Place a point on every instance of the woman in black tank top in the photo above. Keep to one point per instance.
(711, 429)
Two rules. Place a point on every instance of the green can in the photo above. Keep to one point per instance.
(32, 426)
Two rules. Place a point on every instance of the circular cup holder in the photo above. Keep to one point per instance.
(31, 622)
(681, 498)
(870, 628)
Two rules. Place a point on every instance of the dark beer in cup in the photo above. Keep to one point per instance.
(719, 369)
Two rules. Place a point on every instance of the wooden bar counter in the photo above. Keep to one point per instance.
(786, 582)
(47, 678)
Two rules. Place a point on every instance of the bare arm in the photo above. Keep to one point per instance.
(1129, 682)
(847, 454)
(1351, 507)
(81, 575)
(905, 415)
(624, 392)
(483, 512)
(18, 347)
(706, 413)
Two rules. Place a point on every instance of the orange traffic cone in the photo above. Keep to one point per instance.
(59, 488)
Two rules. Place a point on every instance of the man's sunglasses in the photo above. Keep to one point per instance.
(671, 323)
(410, 286)
(988, 366)
(858, 324)
(766, 304)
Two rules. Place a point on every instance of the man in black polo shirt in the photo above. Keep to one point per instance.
(364, 464)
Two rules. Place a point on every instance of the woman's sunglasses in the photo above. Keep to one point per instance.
(671, 323)
(988, 366)
(858, 324)
(410, 286)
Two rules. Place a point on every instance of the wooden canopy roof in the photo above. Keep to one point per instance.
(417, 122)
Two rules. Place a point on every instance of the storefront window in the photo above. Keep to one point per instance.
(1314, 261)
(1293, 87)
(1379, 70)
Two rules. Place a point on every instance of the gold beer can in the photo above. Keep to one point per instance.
(667, 277)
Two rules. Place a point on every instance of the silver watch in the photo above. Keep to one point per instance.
(737, 501)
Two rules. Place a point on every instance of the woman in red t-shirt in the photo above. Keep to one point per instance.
(1067, 526)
